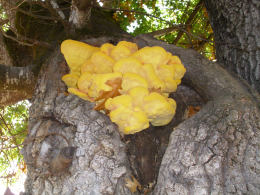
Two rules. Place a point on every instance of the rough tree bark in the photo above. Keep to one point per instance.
(72, 149)
(214, 152)
(217, 150)
(237, 34)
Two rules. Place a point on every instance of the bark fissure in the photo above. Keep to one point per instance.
(237, 35)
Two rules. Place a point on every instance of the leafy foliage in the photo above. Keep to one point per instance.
(13, 130)
(3, 17)
(139, 17)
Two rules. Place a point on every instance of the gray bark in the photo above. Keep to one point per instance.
(236, 26)
(217, 150)
(99, 165)
(214, 152)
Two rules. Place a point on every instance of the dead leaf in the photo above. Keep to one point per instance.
(132, 184)
(116, 86)
(193, 110)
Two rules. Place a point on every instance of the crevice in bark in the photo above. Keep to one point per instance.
(145, 149)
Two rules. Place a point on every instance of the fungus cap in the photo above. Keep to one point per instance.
(133, 85)
(80, 94)
(99, 83)
(132, 80)
(152, 55)
(159, 109)
(107, 48)
(102, 63)
(128, 64)
(154, 83)
(70, 79)
(138, 94)
(76, 53)
(129, 121)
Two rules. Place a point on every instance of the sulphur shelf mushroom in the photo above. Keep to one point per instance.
(132, 86)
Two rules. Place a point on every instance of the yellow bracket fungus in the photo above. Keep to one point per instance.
(131, 85)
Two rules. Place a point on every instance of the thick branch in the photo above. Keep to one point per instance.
(165, 30)
(136, 12)
(16, 83)
(189, 20)
(236, 32)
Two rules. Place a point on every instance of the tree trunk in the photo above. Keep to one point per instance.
(72, 149)
(236, 29)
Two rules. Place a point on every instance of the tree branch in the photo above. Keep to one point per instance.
(137, 12)
(165, 30)
(189, 20)
(203, 42)
(36, 16)
(22, 40)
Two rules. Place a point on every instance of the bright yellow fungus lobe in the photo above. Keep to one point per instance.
(131, 85)
(79, 93)
(102, 62)
(120, 52)
(152, 78)
(99, 83)
(152, 55)
(132, 80)
(84, 82)
(174, 60)
(123, 50)
(70, 79)
(76, 53)
(131, 46)
(106, 48)
(138, 94)
(129, 64)
(124, 101)
(159, 109)
(179, 71)
(166, 73)
(130, 119)
(87, 66)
